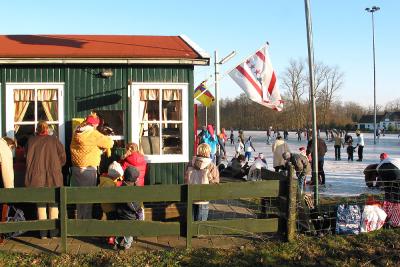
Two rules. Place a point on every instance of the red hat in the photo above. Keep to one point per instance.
(302, 148)
(92, 119)
(383, 156)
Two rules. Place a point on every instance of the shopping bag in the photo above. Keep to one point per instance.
(348, 219)
(373, 218)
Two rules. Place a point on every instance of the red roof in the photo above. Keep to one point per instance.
(96, 46)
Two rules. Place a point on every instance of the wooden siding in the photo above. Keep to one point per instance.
(84, 90)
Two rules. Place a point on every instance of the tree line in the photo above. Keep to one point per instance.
(242, 113)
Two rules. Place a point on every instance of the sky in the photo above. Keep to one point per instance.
(342, 33)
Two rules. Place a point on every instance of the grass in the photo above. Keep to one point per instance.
(380, 248)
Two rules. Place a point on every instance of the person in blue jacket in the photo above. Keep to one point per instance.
(210, 138)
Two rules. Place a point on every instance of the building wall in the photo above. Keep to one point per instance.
(84, 90)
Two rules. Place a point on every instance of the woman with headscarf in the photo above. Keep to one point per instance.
(45, 156)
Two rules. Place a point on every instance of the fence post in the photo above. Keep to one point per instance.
(189, 217)
(292, 201)
(63, 218)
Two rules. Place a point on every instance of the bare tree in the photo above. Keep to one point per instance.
(393, 105)
(332, 81)
(293, 82)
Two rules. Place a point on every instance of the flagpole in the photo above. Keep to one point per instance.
(216, 68)
(312, 98)
(206, 115)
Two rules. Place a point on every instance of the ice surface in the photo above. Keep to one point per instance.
(342, 178)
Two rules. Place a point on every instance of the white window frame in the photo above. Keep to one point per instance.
(1, 110)
(10, 87)
(134, 105)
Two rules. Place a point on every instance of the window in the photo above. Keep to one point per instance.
(26, 104)
(160, 121)
(113, 119)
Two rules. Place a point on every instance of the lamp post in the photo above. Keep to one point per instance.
(372, 10)
(314, 150)
(216, 66)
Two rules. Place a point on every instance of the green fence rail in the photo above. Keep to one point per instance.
(186, 194)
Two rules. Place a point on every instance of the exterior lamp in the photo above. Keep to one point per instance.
(106, 73)
(372, 10)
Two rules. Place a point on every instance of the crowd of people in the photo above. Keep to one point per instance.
(243, 161)
(46, 155)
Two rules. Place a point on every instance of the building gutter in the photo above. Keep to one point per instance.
(124, 61)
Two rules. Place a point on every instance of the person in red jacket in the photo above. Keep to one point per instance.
(134, 158)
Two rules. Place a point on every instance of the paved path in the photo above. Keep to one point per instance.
(28, 244)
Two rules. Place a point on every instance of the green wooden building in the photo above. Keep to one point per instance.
(142, 86)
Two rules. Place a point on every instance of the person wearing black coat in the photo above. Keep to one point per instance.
(389, 173)
(321, 151)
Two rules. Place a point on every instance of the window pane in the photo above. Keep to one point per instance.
(172, 138)
(23, 132)
(149, 104)
(24, 105)
(150, 138)
(172, 105)
(47, 104)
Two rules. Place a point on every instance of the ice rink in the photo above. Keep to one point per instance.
(343, 178)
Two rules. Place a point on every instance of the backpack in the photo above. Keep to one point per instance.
(14, 215)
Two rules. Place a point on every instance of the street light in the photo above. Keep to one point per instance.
(216, 66)
(372, 10)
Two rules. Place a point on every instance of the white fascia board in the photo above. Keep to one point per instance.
(195, 47)
(128, 61)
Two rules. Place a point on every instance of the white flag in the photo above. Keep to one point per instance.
(258, 80)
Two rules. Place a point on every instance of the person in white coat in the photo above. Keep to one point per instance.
(360, 145)
(278, 148)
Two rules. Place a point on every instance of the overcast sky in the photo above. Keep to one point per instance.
(342, 33)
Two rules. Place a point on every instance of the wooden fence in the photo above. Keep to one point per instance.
(282, 189)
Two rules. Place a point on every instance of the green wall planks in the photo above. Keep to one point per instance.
(84, 90)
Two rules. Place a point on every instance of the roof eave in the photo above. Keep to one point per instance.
(200, 51)
(128, 61)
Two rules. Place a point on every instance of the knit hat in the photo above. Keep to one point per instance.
(115, 170)
(131, 174)
(92, 119)
(383, 156)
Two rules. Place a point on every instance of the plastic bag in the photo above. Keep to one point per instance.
(373, 218)
(348, 219)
